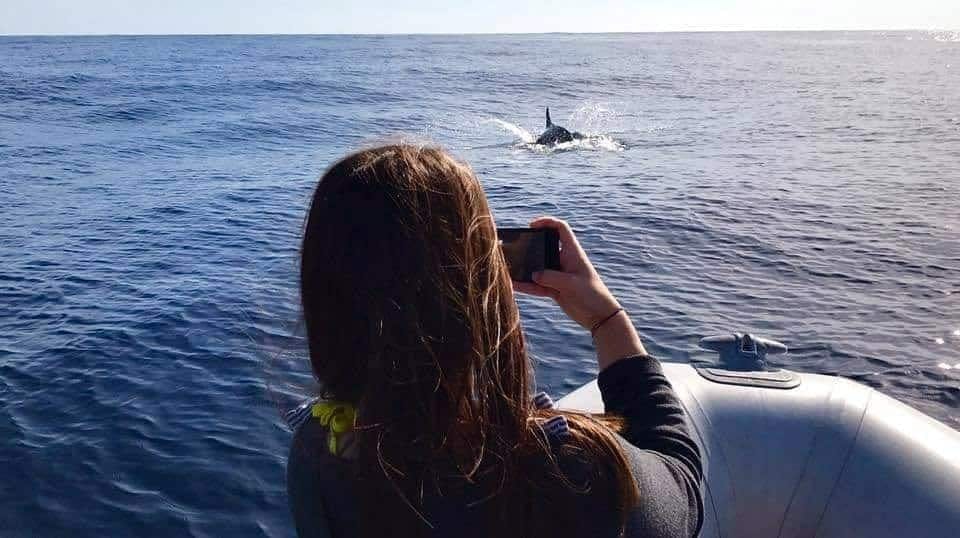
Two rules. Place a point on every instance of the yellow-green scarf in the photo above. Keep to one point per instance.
(338, 417)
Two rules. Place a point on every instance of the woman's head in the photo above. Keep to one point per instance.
(410, 316)
(407, 300)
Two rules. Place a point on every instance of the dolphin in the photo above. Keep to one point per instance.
(554, 134)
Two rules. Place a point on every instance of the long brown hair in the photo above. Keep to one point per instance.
(410, 316)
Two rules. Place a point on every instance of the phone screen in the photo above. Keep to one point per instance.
(529, 250)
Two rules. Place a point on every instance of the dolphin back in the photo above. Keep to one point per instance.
(554, 134)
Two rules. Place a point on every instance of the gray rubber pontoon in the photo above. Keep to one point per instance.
(791, 455)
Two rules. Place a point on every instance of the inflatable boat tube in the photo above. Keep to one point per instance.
(803, 455)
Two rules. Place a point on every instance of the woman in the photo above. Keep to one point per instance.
(427, 426)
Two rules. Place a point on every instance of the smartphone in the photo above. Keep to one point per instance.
(529, 250)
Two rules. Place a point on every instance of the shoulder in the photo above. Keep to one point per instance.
(318, 485)
(308, 460)
(306, 432)
(311, 468)
(309, 438)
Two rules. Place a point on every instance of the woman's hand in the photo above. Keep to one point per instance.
(577, 288)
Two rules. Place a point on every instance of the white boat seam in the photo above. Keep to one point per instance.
(846, 460)
(806, 467)
(704, 441)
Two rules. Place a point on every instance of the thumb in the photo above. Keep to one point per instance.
(557, 280)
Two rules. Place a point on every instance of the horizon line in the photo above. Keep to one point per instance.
(403, 34)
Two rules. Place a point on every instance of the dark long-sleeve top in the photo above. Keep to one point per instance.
(664, 460)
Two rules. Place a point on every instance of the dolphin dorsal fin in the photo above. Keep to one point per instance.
(549, 123)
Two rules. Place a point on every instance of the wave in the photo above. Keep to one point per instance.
(947, 36)
(943, 36)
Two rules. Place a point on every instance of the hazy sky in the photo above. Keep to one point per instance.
(462, 16)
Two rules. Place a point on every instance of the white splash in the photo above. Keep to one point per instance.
(592, 119)
(593, 142)
(939, 341)
(521, 133)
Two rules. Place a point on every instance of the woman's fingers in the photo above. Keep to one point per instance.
(563, 229)
(557, 280)
(531, 288)
(572, 256)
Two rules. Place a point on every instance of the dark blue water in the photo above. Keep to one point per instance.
(800, 186)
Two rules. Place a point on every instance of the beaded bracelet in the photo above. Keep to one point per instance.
(597, 325)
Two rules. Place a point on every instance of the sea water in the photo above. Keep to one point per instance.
(800, 186)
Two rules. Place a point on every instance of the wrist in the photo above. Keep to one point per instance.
(605, 319)
(616, 339)
(606, 305)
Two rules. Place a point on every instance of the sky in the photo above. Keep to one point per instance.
(67, 17)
